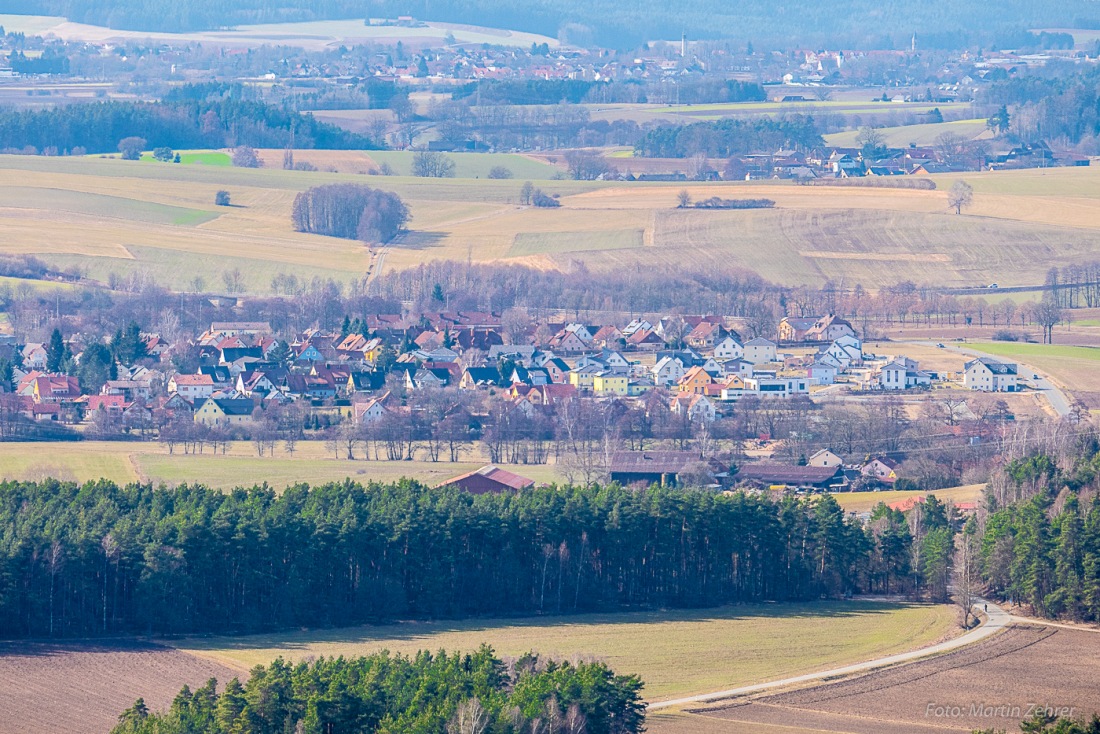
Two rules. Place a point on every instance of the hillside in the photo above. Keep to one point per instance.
(107, 216)
(848, 23)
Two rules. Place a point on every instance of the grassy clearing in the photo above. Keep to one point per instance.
(675, 652)
(312, 463)
(196, 157)
(865, 501)
(113, 207)
(924, 134)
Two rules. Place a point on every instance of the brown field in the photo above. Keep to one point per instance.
(105, 215)
(82, 688)
(999, 677)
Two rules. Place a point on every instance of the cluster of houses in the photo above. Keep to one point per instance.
(842, 162)
(824, 471)
(700, 362)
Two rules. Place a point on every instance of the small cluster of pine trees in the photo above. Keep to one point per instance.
(351, 211)
(465, 694)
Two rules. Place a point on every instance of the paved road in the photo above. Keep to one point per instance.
(996, 619)
(1057, 398)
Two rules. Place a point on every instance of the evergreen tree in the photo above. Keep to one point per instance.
(56, 352)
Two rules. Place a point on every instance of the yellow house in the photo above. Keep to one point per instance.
(583, 379)
(695, 380)
(610, 384)
(225, 413)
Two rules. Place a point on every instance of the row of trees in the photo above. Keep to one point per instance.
(351, 211)
(729, 137)
(213, 122)
(460, 694)
(103, 559)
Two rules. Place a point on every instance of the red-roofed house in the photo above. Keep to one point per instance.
(489, 479)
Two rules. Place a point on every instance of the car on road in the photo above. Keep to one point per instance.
(940, 346)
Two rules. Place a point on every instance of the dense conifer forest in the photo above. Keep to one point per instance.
(103, 559)
(178, 124)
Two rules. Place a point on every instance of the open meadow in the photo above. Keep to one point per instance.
(312, 463)
(866, 501)
(109, 216)
(675, 652)
(78, 687)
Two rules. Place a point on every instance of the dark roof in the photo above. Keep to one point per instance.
(997, 368)
(484, 375)
(652, 462)
(232, 354)
(770, 473)
(230, 406)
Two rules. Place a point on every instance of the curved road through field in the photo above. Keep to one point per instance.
(996, 620)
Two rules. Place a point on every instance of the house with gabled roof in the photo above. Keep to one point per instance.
(192, 387)
(760, 351)
(825, 457)
(224, 412)
(728, 348)
(695, 381)
(693, 406)
(667, 371)
(488, 479)
(990, 375)
(477, 377)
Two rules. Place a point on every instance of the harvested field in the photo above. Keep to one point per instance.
(78, 688)
(865, 501)
(990, 684)
(676, 652)
(112, 216)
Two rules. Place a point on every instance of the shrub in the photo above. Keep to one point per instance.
(221, 198)
(1004, 335)
(163, 154)
(244, 156)
(541, 199)
(500, 172)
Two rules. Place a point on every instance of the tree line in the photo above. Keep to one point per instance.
(1040, 545)
(729, 137)
(208, 123)
(79, 560)
(351, 211)
(474, 693)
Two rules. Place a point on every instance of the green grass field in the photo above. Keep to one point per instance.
(196, 157)
(923, 134)
(675, 652)
(62, 201)
(312, 463)
(1075, 368)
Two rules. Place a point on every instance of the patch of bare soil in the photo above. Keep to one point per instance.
(79, 688)
(995, 683)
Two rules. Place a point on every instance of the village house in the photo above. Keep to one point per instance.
(825, 457)
(760, 351)
(881, 469)
(728, 348)
(990, 375)
(821, 373)
(224, 412)
(192, 387)
(667, 371)
(695, 381)
(692, 406)
(609, 383)
(655, 467)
